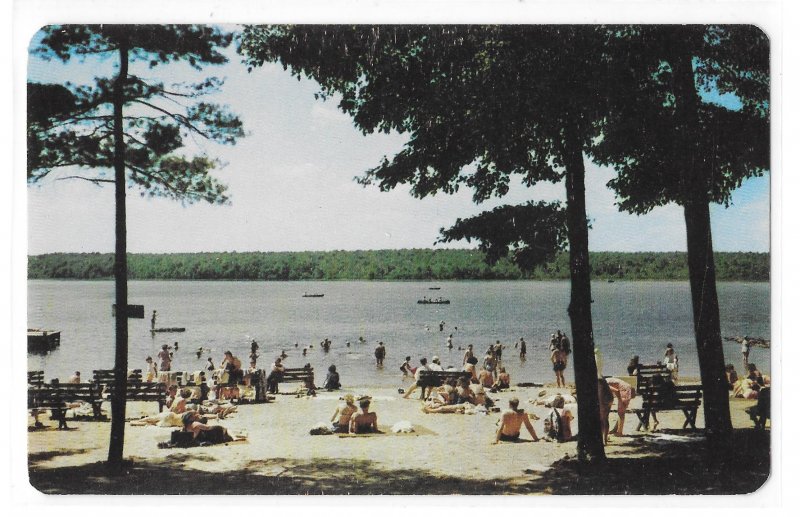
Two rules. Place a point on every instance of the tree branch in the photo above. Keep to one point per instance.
(96, 181)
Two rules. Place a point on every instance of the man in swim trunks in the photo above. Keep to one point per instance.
(364, 421)
(511, 422)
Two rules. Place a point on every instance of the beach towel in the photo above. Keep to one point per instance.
(404, 426)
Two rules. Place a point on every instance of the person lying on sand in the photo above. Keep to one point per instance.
(204, 433)
(510, 423)
(364, 421)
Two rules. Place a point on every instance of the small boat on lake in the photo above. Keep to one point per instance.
(307, 295)
(434, 301)
(43, 341)
(434, 288)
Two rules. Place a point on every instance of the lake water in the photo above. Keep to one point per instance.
(629, 318)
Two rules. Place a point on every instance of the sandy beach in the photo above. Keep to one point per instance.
(448, 454)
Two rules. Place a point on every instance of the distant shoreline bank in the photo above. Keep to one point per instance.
(422, 265)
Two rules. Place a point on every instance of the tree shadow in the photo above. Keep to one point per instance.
(665, 468)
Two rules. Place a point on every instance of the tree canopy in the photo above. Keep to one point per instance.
(72, 125)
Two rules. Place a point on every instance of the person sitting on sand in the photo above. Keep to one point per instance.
(731, 376)
(485, 378)
(332, 379)
(558, 424)
(464, 392)
(363, 421)
(435, 365)
(503, 381)
(511, 422)
(340, 421)
(75, 379)
(202, 433)
(172, 416)
(755, 375)
(623, 392)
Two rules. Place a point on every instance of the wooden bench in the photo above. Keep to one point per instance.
(144, 391)
(434, 379)
(304, 375)
(647, 372)
(669, 398)
(56, 398)
(106, 377)
(36, 378)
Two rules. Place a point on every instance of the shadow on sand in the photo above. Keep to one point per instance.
(640, 466)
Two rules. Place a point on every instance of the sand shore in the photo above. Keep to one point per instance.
(449, 453)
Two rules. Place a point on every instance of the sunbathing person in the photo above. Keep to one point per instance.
(503, 381)
(170, 417)
(485, 378)
(511, 422)
(364, 421)
(204, 433)
(340, 421)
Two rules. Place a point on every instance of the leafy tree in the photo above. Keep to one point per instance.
(668, 145)
(133, 126)
(479, 103)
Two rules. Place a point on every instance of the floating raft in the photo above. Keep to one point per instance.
(169, 329)
(434, 302)
(434, 288)
(43, 340)
(313, 295)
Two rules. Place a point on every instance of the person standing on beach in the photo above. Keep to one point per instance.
(423, 366)
(165, 359)
(406, 367)
(153, 321)
(468, 354)
(523, 349)
(152, 372)
(380, 353)
(745, 352)
(511, 422)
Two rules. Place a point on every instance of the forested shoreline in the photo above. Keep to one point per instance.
(404, 264)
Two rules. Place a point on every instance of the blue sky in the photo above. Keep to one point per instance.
(291, 186)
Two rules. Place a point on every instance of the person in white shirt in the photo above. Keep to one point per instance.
(423, 366)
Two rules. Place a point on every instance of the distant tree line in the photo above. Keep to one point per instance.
(405, 264)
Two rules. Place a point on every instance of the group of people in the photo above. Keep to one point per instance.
(349, 418)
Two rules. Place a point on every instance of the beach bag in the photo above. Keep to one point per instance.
(552, 426)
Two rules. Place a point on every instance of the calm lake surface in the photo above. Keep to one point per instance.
(629, 318)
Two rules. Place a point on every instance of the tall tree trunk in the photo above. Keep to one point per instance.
(590, 440)
(119, 396)
(700, 250)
